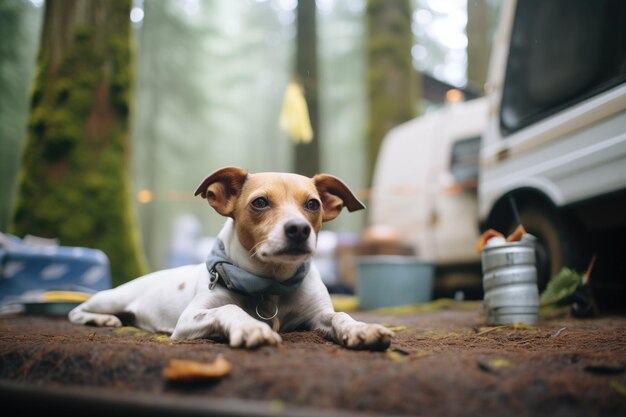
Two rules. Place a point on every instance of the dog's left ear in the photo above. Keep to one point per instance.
(222, 188)
(335, 195)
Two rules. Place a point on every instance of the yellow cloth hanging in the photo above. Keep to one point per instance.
(294, 117)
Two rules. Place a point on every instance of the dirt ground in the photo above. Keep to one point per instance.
(443, 363)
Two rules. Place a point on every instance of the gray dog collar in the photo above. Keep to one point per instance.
(223, 271)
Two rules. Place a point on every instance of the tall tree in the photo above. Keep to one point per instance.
(481, 22)
(20, 23)
(307, 155)
(391, 77)
(74, 182)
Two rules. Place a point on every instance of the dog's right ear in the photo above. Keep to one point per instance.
(222, 188)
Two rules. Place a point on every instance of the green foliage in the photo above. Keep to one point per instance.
(561, 287)
(74, 183)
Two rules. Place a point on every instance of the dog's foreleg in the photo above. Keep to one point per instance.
(99, 310)
(199, 320)
(315, 304)
(354, 334)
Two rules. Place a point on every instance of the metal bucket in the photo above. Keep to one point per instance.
(510, 283)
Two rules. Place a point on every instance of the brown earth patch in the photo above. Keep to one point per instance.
(443, 363)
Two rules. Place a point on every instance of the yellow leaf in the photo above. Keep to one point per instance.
(484, 330)
(163, 338)
(500, 363)
(494, 364)
(396, 329)
(515, 326)
(523, 326)
(395, 356)
(620, 388)
(294, 117)
(130, 330)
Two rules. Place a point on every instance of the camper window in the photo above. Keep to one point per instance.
(464, 161)
(561, 52)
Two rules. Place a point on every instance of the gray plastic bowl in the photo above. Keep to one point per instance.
(389, 280)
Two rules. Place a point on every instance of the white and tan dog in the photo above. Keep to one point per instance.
(259, 278)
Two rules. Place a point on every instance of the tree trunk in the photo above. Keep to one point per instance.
(391, 77)
(20, 23)
(307, 155)
(74, 182)
(482, 17)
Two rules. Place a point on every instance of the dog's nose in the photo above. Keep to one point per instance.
(297, 231)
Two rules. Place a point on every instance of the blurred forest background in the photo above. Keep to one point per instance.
(194, 85)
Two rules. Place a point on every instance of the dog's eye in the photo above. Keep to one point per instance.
(260, 203)
(312, 205)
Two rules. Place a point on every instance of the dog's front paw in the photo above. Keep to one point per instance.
(366, 336)
(80, 316)
(253, 334)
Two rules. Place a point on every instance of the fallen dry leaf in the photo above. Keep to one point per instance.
(482, 241)
(494, 364)
(481, 331)
(620, 388)
(396, 355)
(517, 234)
(485, 330)
(396, 329)
(185, 370)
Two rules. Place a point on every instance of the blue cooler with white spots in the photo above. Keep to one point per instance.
(27, 270)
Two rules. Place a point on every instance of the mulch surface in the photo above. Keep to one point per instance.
(443, 363)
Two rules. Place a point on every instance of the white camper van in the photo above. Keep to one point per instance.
(551, 133)
(553, 155)
(425, 179)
